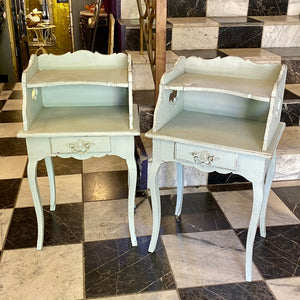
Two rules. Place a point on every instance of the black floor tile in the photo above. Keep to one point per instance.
(2, 103)
(143, 97)
(230, 187)
(186, 8)
(290, 195)
(11, 116)
(9, 189)
(239, 291)
(200, 212)
(290, 114)
(267, 7)
(204, 53)
(288, 95)
(115, 267)
(12, 146)
(277, 255)
(218, 178)
(16, 94)
(62, 226)
(62, 166)
(105, 185)
(240, 37)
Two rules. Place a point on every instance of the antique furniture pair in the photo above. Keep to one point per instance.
(215, 115)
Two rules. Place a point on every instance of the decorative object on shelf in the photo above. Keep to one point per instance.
(78, 105)
(226, 118)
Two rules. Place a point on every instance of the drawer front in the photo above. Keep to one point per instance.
(80, 145)
(205, 156)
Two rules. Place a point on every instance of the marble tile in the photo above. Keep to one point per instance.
(12, 146)
(293, 8)
(290, 196)
(278, 20)
(236, 21)
(285, 183)
(187, 190)
(290, 98)
(288, 167)
(292, 53)
(230, 187)
(123, 269)
(62, 166)
(257, 55)
(226, 8)
(242, 291)
(240, 37)
(161, 295)
(4, 95)
(105, 185)
(62, 226)
(142, 77)
(192, 22)
(267, 7)
(18, 86)
(200, 212)
(104, 164)
(53, 273)
(290, 114)
(186, 8)
(290, 141)
(209, 53)
(2, 103)
(285, 286)
(12, 167)
(13, 105)
(11, 116)
(293, 73)
(277, 255)
(68, 190)
(206, 258)
(218, 178)
(280, 36)
(146, 117)
(16, 94)
(168, 177)
(184, 38)
(9, 189)
(237, 207)
(107, 220)
(129, 9)
(5, 217)
(294, 88)
(9, 129)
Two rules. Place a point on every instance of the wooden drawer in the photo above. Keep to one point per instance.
(205, 156)
(80, 145)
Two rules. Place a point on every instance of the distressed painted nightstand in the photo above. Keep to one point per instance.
(78, 105)
(219, 115)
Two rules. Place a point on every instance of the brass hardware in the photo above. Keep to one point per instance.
(80, 146)
(204, 157)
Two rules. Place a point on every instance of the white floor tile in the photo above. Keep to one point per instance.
(9, 129)
(237, 207)
(206, 258)
(13, 104)
(68, 190)
(104, 164)
(5, 216)
(285, 288)
(108, 220)
(53, 273)
(12, 166)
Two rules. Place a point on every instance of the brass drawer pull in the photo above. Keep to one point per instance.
(204, 157)
(80, 146)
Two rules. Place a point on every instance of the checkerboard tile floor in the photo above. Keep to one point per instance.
(87, 252)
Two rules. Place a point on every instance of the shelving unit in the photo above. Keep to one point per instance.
(78, 105)
(221, 115)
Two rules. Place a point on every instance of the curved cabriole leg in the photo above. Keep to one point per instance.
(267, 188)
(180, 186)
(31, 170)
(132, 177)
(155, 201)
(258, 190)
(51, 178)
